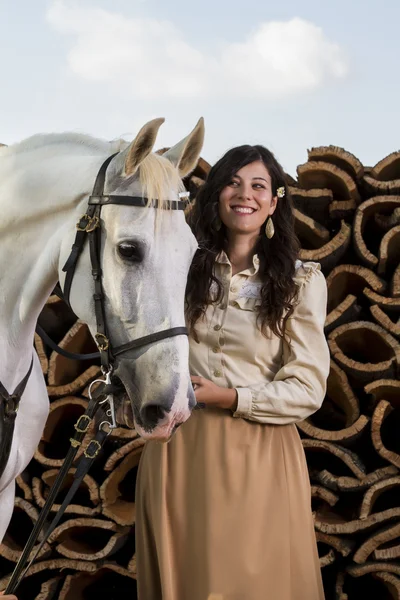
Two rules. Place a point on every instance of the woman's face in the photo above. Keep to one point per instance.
(247, 201)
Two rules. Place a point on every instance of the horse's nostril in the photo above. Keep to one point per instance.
(151, 414)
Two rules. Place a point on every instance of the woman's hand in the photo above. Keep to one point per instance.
(213, 395)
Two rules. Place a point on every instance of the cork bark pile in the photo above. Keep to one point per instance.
(348, 219)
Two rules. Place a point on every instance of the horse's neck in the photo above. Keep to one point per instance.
(38, 206)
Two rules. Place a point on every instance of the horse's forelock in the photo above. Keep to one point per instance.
(159, 177)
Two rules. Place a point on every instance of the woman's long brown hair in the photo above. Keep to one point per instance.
(277, 255)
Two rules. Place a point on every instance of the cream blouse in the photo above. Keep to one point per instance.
(277, 382)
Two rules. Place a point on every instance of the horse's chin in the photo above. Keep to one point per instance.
(158, 434)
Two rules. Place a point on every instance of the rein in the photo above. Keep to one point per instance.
(101, 400)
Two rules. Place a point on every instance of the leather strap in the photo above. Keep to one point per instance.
(81, 428)
(80, 238)
(71, 355)
(143, 341)
(84, 464)
(104, 200)
(102, 337)
(9, 404)
(150, 339)
(72, 261)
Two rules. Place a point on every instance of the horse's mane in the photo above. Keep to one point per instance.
(158, 177)
(43, 140)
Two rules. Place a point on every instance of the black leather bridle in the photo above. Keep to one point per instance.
(89, 227)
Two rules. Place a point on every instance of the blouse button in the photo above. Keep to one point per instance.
(222, 306)
(234, 289)
(215, 350)
(217, 327)
(217, 373)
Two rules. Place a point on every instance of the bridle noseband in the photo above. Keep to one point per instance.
(89, 226)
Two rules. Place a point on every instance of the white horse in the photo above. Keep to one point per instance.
(45, 182)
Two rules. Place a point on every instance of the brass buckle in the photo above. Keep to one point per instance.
(96, 449)
(93, 223)
(89, 223)
(80, 226)
(78, 425)
(11, 406)
(102, 342)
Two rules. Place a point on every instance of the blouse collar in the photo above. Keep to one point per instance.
(223, 259)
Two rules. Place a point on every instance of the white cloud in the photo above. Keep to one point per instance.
(283, 57)
(149, 58)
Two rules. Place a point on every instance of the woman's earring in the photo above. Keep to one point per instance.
(269, 228)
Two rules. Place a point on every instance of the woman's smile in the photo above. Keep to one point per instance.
(243, 210)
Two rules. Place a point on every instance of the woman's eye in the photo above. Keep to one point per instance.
(234, 183)
(131, 252)
(259, 186)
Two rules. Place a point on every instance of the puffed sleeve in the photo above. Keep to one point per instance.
(298, 388)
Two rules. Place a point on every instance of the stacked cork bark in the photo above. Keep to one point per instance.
(348, 219)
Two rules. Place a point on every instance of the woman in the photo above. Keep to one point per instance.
(224, 508)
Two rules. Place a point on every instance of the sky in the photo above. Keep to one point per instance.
(290, 75)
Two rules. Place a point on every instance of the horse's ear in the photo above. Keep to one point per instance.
(185, 154)
(142, 145)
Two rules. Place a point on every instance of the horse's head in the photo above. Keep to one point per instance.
(145, 256)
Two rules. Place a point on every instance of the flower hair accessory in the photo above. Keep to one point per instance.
(280, 192)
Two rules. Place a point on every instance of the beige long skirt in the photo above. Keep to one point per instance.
(224, 508)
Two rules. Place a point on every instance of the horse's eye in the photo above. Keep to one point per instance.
(129, 251)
